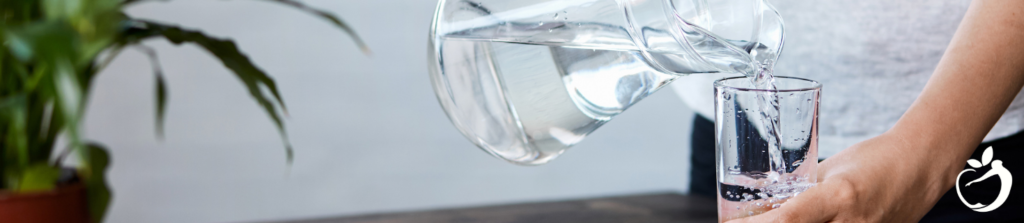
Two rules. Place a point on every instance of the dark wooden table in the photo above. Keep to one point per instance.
(640, 208)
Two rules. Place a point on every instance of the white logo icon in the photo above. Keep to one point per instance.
(997, 170)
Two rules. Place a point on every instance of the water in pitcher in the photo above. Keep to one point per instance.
(524, 82)
(547, 93)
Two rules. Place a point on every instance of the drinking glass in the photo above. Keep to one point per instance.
(754, 175)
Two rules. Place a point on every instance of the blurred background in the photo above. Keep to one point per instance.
(368, 132)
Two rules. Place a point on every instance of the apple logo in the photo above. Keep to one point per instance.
(997, 170)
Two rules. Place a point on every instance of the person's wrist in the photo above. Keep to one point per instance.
(930, 159)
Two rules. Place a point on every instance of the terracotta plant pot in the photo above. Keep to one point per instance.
(66, 204)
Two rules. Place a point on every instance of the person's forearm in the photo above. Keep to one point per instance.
(976, 80)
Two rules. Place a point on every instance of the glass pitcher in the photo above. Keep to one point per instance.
(524, 80)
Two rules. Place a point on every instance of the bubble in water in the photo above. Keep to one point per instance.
(776, 206)
(727, 96)
(542, 23)
(735, 170)
(758, 204)
(750, 213)
(556, 16)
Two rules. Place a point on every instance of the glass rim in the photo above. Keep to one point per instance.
(815, 85)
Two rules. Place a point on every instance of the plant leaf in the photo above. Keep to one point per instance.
(974, 163)
(128, 2)
(96, 188)
(161, 105)
(69, 97)
(986, 157)
(42, 40)
(254, 79)
(13, 111)
(38, 177)
(161, 88)
(333, 19)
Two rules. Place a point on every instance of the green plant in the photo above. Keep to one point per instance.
(50, 52)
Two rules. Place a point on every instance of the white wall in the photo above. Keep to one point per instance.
(368, 132)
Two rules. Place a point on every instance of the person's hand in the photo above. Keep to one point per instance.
(871, 181)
